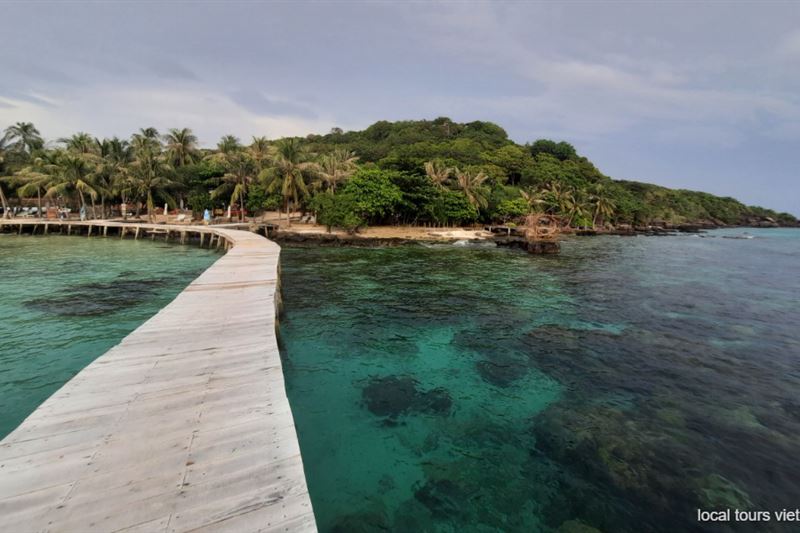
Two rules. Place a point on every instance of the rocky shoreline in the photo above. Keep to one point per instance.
(288, 237)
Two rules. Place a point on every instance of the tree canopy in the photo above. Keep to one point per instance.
(411, 172)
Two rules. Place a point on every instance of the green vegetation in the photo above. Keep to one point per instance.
(434, 172)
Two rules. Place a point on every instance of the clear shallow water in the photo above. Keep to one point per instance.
(620, 385)
(64, 301)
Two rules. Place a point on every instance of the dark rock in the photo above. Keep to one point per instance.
(364, 522)
(501, 373)
(394, 396)
(442, 497)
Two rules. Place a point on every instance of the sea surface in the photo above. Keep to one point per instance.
(617, 387)
(64, 301)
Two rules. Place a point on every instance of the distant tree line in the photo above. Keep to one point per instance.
(436, 172)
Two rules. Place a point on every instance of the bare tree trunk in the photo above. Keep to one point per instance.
(150, 207)
(3, 199)
(39, 200)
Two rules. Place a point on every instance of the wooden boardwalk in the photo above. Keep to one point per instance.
(183, 426)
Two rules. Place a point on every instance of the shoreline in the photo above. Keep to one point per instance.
(390, 236)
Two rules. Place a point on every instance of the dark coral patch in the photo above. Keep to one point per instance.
(94, 299)
(393, 396)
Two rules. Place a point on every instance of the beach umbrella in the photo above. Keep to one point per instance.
(229, 210)
(166, 209)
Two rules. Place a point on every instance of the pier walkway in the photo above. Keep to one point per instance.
(183, 426)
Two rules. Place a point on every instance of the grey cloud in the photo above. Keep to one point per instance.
(260, 104)
(169, 69)
(699, 95)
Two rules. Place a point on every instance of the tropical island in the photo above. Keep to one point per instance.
(428, 173)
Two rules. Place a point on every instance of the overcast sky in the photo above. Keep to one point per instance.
(695, 96)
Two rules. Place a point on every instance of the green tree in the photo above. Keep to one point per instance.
(37, 178)
(80, 143)
(23, 137)
(602, 204)
(533, 199)
(228, 144)
(337, 210)
(150, 174)
(3, 199)
(290, 164)
(472, 185)
(510, 209)
(74, 174)
(375, 195)
(453, 207)
(181, 145)
(336, 167)
(438, 173)
(240, 174)
(260, 152)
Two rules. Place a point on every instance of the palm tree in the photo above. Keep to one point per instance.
(259, 151)
(438, 173)
(150, 173)
(290, 165)
(115, 155)
(148, 133)
(472, 185)
(80, 143)
(533, 198)
(181, 147)
(74, 173)
(336, 167)
(24, 137)
(141, 143)
(603, 205)
(557, 199)
(3, 200)
(228, 144)
(37, 177)
(241, 172)
(576, 206)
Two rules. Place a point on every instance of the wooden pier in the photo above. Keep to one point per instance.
(183, 426)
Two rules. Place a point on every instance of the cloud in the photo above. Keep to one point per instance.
(261, 104)
(789, 46)
(169, 69)
(588, 93)
(111, 110)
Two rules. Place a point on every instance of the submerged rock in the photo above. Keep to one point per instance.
(576, 526)
(717, 492)
(94, 299)
(393, 396)
(364, 522)
(502, 372)
(442, 497)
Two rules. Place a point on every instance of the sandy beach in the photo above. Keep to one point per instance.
(395, 232)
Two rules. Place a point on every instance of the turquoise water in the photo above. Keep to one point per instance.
(619, 386)
(64, 301)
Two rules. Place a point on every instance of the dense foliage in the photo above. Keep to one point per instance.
(434, 172)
